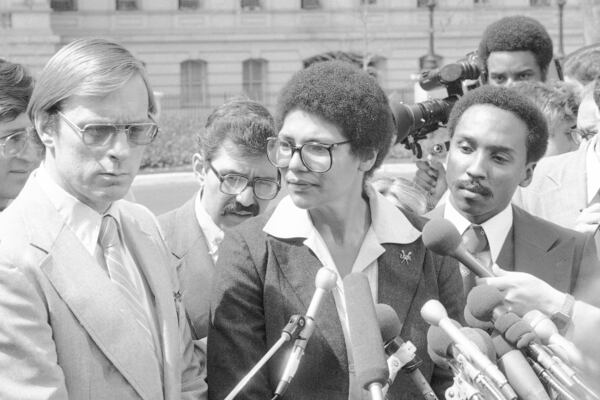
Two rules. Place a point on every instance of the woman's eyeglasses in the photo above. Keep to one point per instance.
(315, 156)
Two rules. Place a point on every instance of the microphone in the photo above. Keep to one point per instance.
(486, 303)
(518, 372)
(441, 237)
(324, 281)
(435, 314)
(401, 354)
(473, 322)
(367, 346)
(545, 329)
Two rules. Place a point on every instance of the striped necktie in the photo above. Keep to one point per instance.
(476, 242)
(113, 255)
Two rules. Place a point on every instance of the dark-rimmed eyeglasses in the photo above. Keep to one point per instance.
(234, 184)
(138, 133)
(315, 156)
(15, 143)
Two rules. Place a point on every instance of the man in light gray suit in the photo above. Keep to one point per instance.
(91, 307)
(237, 182)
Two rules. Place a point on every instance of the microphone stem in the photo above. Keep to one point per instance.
(584, 387)
(375, 389)
(237, 389)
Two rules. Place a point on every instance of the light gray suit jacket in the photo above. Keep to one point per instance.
(66, 331)
(196, 268)
(558, 190)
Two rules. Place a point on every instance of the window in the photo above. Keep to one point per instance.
(126, 5)
(367, 2)
(63, 5)
(425, 3)
(193, 83)
(254, 79)
(189, 4)
(5, 20)
(539, 3)
(309, 4)
(250, 5)
(480, 2)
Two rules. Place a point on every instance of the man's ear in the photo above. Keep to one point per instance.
(528, 174)
(46, 128)
(199, 168)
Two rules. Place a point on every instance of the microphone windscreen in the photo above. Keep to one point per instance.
(482, 300)
(388, 322)
(505, 321)
(477, 323)
(482, 340)
(370, 362)
(438, 342)
(520, 334)
(501, 345)
(441, 236)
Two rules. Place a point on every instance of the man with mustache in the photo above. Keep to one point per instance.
(497, 136)
(237, 182)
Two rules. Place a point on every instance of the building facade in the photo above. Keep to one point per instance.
(200, 52)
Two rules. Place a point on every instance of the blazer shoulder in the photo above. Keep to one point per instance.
(542, 226)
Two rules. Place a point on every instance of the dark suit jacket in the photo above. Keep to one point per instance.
(561, 257)
(196, 269)
(261, 281)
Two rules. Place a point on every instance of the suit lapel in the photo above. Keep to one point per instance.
(154, 265)
(537, 254)
(400, 269)
(299, 266)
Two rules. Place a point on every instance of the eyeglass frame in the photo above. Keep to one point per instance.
(329, 147)
(118, 128)
(249, 182)
(29, 131)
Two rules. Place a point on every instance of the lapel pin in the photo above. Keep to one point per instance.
(177, 296)
(405, 257)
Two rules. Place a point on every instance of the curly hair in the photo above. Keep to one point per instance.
(246, 123)
(556, 100)
(513, 102)
(347, 97)
(517, 33)
(16, 85)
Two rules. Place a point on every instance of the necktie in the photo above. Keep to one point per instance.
(113, 255)
(476, 243)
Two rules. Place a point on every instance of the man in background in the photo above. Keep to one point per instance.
(237, 182)
(90, 305)
(19, 153)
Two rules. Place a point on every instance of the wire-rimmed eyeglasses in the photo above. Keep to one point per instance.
(15, 143)
(234, 184)
(138, 133)
(315, 156)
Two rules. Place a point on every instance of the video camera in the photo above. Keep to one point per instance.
(414, 122)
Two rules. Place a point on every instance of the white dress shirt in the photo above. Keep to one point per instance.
(592, 171)
(212, 233)
(388, 225)
(496, 228)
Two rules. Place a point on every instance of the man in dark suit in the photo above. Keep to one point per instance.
(90, 304)
(497, 136)
(237, 182)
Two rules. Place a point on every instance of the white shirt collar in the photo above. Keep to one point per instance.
(80, 218)
(496, 228)
(213, 234)
(592, 169)
(389, 224)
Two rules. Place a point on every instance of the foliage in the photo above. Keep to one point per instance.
(176, 140)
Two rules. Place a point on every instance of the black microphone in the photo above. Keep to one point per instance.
(367, 345)
(441, 237)
(324, 281)
(518, 371)
(435, 314)
(401, 354)
(486, 303)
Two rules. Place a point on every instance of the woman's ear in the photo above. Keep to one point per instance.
(367, 162)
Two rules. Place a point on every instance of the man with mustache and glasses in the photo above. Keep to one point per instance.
(237, 182)
(19, 152)
(90, 303)
(497, 136)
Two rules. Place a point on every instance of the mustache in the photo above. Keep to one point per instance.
(234, 208)
(473, 186)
